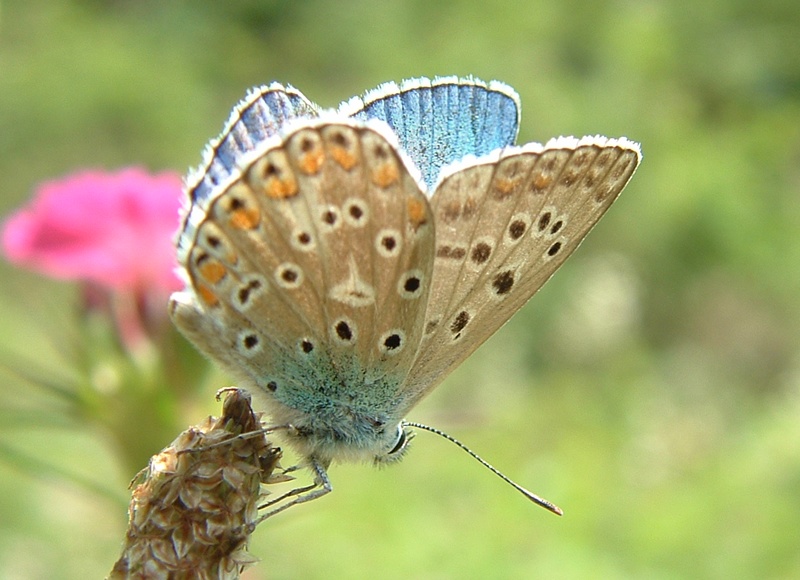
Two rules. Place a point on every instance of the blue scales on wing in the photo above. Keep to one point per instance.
(443, 120)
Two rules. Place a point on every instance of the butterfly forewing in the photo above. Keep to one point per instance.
(259, 116)
(503, 227)
(441, 121)
(318, 261)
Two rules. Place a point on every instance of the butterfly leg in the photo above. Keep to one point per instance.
(321, 486)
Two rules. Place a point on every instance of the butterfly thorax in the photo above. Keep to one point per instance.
(333, 421)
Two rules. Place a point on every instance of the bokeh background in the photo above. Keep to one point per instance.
(651, 389)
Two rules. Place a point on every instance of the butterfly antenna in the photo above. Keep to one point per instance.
(531, 496)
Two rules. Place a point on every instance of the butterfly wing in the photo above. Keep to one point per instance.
(444, 120)
(256, 118)
(503, 226)
(308, 275)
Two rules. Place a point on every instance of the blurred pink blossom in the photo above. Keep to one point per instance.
(111, 230)
(114, 229)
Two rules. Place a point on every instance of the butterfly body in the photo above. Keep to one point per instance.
(341, 263)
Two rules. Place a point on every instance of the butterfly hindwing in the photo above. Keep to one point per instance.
(503, 226)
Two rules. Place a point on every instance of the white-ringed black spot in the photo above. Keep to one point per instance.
(410, 284)
(329, 218)
(556, 227)
(554, 249)
(480, 253)
(503, 282)
(516, 229)
(388, 243)
(303, 240)
(306, 346)
(544, 220)
(250, 343)
(392, 342)
(344, 331)
(272, 386)
(244, 293)
(355, 212)
(289, 275)
(459, 323)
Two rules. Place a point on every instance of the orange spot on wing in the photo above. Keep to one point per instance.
(541, 181)
(280, 188)
(311, 162)
(385, 175)
(417, 213)
(504, 187)
(212, 271)
(246, 219)
(208, 296)
(344, 157)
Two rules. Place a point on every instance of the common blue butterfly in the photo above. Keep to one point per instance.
(341, 263)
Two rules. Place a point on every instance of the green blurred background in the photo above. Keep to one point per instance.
(651, 389)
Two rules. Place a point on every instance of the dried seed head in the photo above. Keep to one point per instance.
(194, 508)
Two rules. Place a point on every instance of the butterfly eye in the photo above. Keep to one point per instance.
(398, 449)
(401, 442)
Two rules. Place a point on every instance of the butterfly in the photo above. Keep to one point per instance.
(340, 263)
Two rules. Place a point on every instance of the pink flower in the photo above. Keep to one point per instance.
(113, 229)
